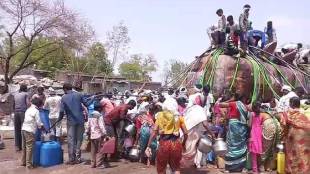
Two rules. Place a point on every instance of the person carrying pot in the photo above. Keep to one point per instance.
(115, 121)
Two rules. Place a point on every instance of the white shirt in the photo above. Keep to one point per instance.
(53, 104)
(32, 119)
(210, 100)
(284, 102)
(142, 107)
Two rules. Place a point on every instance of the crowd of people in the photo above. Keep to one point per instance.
(169, 125)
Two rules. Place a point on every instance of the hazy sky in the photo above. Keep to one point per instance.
(176, 29)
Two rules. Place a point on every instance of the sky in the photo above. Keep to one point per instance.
(176, 29)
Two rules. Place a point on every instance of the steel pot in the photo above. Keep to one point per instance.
(131, 129)
(205, 145)
(220, 147)
(134, 153)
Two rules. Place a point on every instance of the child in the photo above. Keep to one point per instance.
(31, 122)
(255, 144)
(96, 130)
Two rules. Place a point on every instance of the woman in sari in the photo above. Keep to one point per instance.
(272, 134)
(170, 144)
(297, 139)
(196, 122)
(144, 125)
(237, 134)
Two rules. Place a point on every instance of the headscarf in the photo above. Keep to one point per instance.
(167, 123)
(171, 105)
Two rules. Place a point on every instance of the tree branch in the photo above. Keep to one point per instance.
(32, 62)
(20, 18)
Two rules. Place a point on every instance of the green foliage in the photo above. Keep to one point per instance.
(63, 58)
(48, 54)
(94, 62)
(138, 67)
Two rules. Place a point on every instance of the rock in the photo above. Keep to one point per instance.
(7, 132)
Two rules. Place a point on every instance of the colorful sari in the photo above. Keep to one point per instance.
(297, 146)
(144, 124)
(236, 138)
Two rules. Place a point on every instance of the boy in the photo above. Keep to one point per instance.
(31, 122)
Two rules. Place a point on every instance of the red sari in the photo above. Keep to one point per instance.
(297, 143)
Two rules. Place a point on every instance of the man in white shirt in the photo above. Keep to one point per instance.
(284, 102)
(31, 123)
(209, 100)
(53, 104)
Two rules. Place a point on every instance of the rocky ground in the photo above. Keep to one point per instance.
(9, 164)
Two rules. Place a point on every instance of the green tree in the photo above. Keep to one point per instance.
(97, 59)
(54, 61)
(93, 62)
(138, 67)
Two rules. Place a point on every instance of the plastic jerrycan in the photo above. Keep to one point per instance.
(280, 159)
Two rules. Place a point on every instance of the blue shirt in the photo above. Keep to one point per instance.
(262, 35)
(71, 104)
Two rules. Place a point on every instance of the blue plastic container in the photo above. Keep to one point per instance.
(51, 154)
(44, 118)
(46, 123)
(38, 135)
(36, 153)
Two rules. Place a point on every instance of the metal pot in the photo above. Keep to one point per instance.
(131, 129)
(205, 145)
(134, 153)
(220, 147)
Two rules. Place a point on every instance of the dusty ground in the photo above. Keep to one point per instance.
(9, 164)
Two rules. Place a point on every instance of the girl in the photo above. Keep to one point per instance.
(255, 143)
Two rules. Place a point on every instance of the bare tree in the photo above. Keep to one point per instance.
(26, 21)
(117, 41)
(174, 72)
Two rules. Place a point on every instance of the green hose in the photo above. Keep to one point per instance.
(259, 72)
(235, 74)
(213, 63)
(281, 74)
(262, 71)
